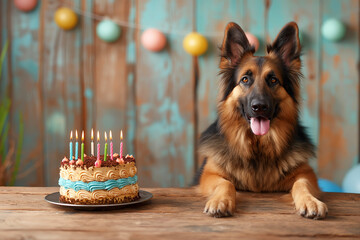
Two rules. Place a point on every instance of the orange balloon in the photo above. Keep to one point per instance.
(65, 18)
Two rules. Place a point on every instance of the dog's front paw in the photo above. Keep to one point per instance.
(220, 206)
(310, 207)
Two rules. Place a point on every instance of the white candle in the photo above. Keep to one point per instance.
(92, 142)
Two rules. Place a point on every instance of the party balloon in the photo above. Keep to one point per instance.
(252, 40)
(65, 18)
(153, 40)
(328, 186)
(108, 30)
(25, 5)
(351, 182)
(333, 30)
(195, 44)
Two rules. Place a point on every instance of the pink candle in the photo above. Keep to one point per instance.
(98, 146)
(121, 144)
(111, 146)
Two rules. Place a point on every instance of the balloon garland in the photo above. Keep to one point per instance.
(154, 40)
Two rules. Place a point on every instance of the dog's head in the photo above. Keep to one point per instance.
(260, 90)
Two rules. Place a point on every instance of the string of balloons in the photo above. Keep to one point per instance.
(194, 43)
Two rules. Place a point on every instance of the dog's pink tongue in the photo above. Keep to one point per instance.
(260, 126)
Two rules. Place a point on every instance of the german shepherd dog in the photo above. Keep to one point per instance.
(257, 143)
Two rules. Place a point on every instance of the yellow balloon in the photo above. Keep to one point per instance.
(195, 44)
(65, 18)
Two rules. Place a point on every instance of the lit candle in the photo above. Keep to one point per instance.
(76, 146)
(82, 146)
(105, 150)
(71, 146)
(121, 144)
(98, 146)
(92, 142)
(111, 146)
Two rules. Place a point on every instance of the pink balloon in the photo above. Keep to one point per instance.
(252, 40)
(25, 5)
(153, 40)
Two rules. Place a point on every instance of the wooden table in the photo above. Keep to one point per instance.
(173, 213)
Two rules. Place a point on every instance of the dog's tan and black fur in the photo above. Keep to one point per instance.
(264, 89)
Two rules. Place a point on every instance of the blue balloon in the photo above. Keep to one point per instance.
(351, 182)
(328, 186)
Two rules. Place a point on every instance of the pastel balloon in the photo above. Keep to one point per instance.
(351, 182)
(65, 18)
(25, 5)
(252, 40)
(195, 44)
(108, 30)
(333, 30)
(328, 186)
(153, 40)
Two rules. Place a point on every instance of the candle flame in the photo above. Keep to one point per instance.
(76, 134)
(121, 135)
(71, 136)
(110, 135)
(98, 136)
(105, 137)
(82, 136)
(92, 134)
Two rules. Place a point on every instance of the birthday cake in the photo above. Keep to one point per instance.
(95, 181)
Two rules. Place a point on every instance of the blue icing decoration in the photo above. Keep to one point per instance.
(95, 185)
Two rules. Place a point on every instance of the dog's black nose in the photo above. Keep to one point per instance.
(259, 107)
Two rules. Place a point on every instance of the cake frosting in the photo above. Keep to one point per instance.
(98, 182)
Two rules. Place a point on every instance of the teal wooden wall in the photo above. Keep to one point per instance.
(63, 80)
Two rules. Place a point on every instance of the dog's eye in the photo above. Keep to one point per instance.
(244, 80)
(274, 80)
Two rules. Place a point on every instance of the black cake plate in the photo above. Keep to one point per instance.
(53, 198)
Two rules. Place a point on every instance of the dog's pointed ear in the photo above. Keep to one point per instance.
(234, 45)
(287, 45)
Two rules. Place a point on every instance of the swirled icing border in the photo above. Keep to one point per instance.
(115, 195)
(95, 185)
(98, 174)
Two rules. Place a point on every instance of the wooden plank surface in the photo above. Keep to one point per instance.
(165, 98)
(339, 93)
(175, 213)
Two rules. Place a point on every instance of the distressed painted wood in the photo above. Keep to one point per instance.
(61, 75)
(64, 80)
(26, 95)
(282, 12)
(339, 93)
(87, 72)
(165, 99)
(174, 213)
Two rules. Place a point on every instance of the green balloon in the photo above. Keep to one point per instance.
(333, 30)
(108, 31)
